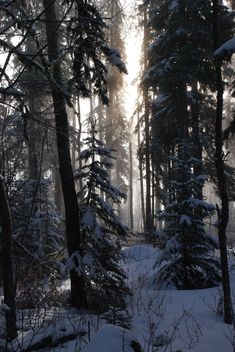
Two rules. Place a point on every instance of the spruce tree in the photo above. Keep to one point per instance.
(182, 78)
(188, 260)
(179, 61)
(102, 229)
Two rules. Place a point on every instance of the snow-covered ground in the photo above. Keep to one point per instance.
(174, 320)
(160, 321)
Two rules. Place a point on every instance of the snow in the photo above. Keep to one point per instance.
(179, 320)
(139, 253)
(184, 219)
(5, 3)
(114, 57)
(174, 5)
(11, 91)
(4, 308)
(111, 338)
(226, 49)
(161, 320)
(88, 218)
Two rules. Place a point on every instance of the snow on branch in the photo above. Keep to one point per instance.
(174, 5)
(4, 308)
(114, 57)
(11, 91)
(5, 3)
(226, 50)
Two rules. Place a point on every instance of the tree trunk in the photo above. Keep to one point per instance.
(148, 213)
(32, 148)
(78, 111)
(58, 191)
(196, 136)
(6, 263)
(131, 187)
(223, 213)
(73, 123)
(73, 234)
(141, 176)
(153, 184)
(157, 197)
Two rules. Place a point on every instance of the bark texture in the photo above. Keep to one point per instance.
(131, 188)
(148, 213)
(6, 263)
(74, 240)
(223, 212)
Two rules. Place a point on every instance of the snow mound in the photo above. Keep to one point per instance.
(139, 263)
(139, 252)
(111, 338)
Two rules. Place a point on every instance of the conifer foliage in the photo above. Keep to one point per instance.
(188, 260)
(101, 227)
(36, 224)
(181, 76)
(86, 33)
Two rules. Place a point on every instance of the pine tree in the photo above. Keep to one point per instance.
(181, 75)
(188, 260)
(36, 224)
(180, 63)
(86, 45)
(102, 229)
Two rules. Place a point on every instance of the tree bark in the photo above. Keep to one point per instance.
(223, 213)
(78, 111)
(73, 234)
(153, 185)
(196, 136)
(148, 213)
(131, 187)
(157, 197)
(6, 263)
(58, 197)
(141, 174)
(73, 123)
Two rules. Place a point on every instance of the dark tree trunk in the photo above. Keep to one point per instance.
(196, 136)
(141, 176)
(74, 241)
(74, 147)
(223, 213)
(6, 264)
(32, 148)
(131, 187)
(157, 197)
(78, 111)
(148, 213)
(153, 185)
(182, 110)
(58, 190)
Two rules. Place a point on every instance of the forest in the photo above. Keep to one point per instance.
(117, 175)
